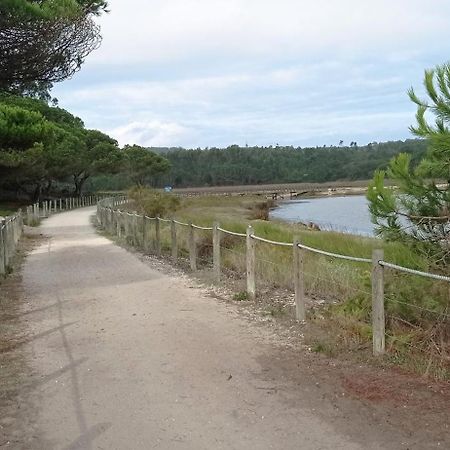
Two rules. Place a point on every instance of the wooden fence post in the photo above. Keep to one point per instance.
(251, 264)
(119, 224)
(134, 227)
(216, 251)
(378, 318)
(157, 237)
(126, 226)
(29, 213)
(144, 233)
(299, 281)
(192, 248)
(2, 247)
(173, 234)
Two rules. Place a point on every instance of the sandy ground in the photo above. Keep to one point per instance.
(124, 356)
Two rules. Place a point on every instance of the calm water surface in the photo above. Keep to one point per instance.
(347, 214)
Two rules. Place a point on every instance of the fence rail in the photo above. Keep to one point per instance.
(11, 227)
(112, 219)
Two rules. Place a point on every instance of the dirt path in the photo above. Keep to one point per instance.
(126, 357)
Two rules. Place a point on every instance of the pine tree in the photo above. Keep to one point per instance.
(417, 211)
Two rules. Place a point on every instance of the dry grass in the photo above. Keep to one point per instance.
(414, 306)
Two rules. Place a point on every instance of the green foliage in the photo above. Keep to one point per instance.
(142, 165)
(241, 296)
(417, 212)
(96, 154)
(153, 203)
(45, 41)
(266, 165)
(21, 128)
(41, 145)
(51, 9)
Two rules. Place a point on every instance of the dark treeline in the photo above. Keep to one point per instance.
(260, 165)
(236, 165)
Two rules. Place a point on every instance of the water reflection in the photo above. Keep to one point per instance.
(348, 214)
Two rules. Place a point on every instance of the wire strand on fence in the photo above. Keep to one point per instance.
(236, 252)
(420, 349)
(164, 220)
(268, 241)
(334, 255)
(202, 228)
(421, 308)
(267, 261)
(232, 233)
(332, 280)
(181, 223)
(414, 272)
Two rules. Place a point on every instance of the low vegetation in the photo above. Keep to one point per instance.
(339, 291)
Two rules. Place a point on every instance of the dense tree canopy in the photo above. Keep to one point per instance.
(142, 165)
(418, 212)
(41, 145)
(45, 41)
(261, 165)
(266, 165)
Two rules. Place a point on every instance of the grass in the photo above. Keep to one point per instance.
(7, 209)
(416, 308)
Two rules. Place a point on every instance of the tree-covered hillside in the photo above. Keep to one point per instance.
(259, 165)
(236, 165)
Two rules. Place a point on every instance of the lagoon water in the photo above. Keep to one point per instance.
(348, 214)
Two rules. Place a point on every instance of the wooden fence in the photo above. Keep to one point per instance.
(138, 229)
(11, 227)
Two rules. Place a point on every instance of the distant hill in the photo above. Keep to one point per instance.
(237, 165)
(264, 165)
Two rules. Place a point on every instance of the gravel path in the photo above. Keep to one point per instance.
(127, 357)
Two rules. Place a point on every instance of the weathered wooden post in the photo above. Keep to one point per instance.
(157, 237)
(216, 251)
(135, 230)
(378, 318)
(20, 224)
(29, 214)
(126, 215)
(174, 242)
(119, 223)
(145, 234)
(3, 265)
(107, 218)
(192, 248)
(299, 281)
(251, 263)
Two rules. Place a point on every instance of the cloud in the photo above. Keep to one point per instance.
(217, 72)
(151, 134)
(167, 32)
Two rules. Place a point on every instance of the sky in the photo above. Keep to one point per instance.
(205, 73)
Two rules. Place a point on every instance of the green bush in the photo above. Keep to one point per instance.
(153, 203)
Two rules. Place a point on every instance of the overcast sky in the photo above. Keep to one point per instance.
(291, 72)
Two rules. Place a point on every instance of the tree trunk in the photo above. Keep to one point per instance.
(79, 183)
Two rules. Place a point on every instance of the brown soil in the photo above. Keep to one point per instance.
(14, 370)
(113, 352)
